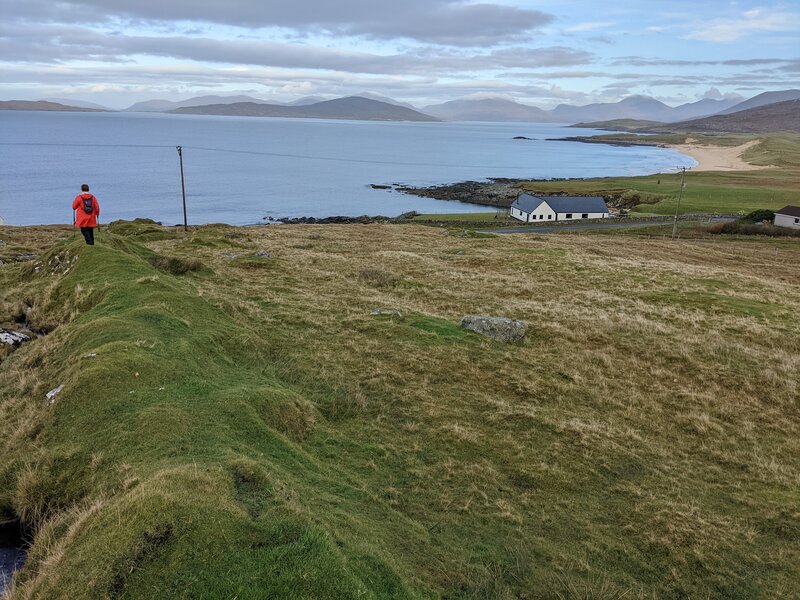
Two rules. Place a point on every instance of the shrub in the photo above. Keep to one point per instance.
(758, 216)
(738, 228)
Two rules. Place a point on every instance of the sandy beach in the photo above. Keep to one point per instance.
(718, 158)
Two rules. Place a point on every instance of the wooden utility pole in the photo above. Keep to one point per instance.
(183, 188)
(680, 194)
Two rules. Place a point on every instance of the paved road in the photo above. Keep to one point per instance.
(577, 227)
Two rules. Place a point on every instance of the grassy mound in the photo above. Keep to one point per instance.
(166, 465)
(233, 431)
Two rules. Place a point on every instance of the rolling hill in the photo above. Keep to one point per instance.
(78, 103)
(780, 116)
(762, 100)
(43, 105)
(351, 108)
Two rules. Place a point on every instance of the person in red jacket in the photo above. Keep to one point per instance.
(87, 209)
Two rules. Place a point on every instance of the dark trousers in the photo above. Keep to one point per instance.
(88, 235)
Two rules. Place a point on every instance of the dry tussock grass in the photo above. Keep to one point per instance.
(647, 349)
(52, 540)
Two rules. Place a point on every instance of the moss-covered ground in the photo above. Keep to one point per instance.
(235, 425)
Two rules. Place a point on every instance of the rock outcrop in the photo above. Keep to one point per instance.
(12, 338)
(501, 329)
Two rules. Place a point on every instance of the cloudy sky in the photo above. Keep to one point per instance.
(116, 52)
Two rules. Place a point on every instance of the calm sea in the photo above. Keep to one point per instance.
(239, 170)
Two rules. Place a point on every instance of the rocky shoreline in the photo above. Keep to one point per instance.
(495, 193)
(341, 220)
(501, 193)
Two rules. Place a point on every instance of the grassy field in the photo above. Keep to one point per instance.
(487, 217)
(715, 192)
(241, 427)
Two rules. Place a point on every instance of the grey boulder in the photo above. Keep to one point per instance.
(501, 329)
(385, 311)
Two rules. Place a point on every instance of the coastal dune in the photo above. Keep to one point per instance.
(718, 158)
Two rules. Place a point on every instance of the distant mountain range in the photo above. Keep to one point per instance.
(633, 107)
(168, 105)
(351, 108)
(486, 109)
(373, 106)
(761, 118)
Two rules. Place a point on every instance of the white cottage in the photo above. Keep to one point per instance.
(788, 216)
(529, 208)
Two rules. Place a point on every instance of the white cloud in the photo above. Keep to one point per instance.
(590, 26)
(751, 22)
(447, 22)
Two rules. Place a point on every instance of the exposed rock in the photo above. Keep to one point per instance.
(232, 255)
(61, 263)
(338, 220)
(501, 329)
(521, 137)
(51, 395)
(262, 254)
(385, 311)
(26, 257)
(12, 338)
(495, 192)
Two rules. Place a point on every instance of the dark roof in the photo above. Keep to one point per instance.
(562, 204)
(792, 211)
(527, 202)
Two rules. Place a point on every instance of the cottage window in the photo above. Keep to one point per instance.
(549, 217)
(569, 215)
(585, 216)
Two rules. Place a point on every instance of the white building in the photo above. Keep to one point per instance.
(529, 208)
(788, 216)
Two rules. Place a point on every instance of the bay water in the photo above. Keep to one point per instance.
(242, 170)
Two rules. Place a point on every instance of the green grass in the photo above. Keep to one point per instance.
(155, 430)
(502, 215)
(256, 433)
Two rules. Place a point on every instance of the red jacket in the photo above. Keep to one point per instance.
(82, 218)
